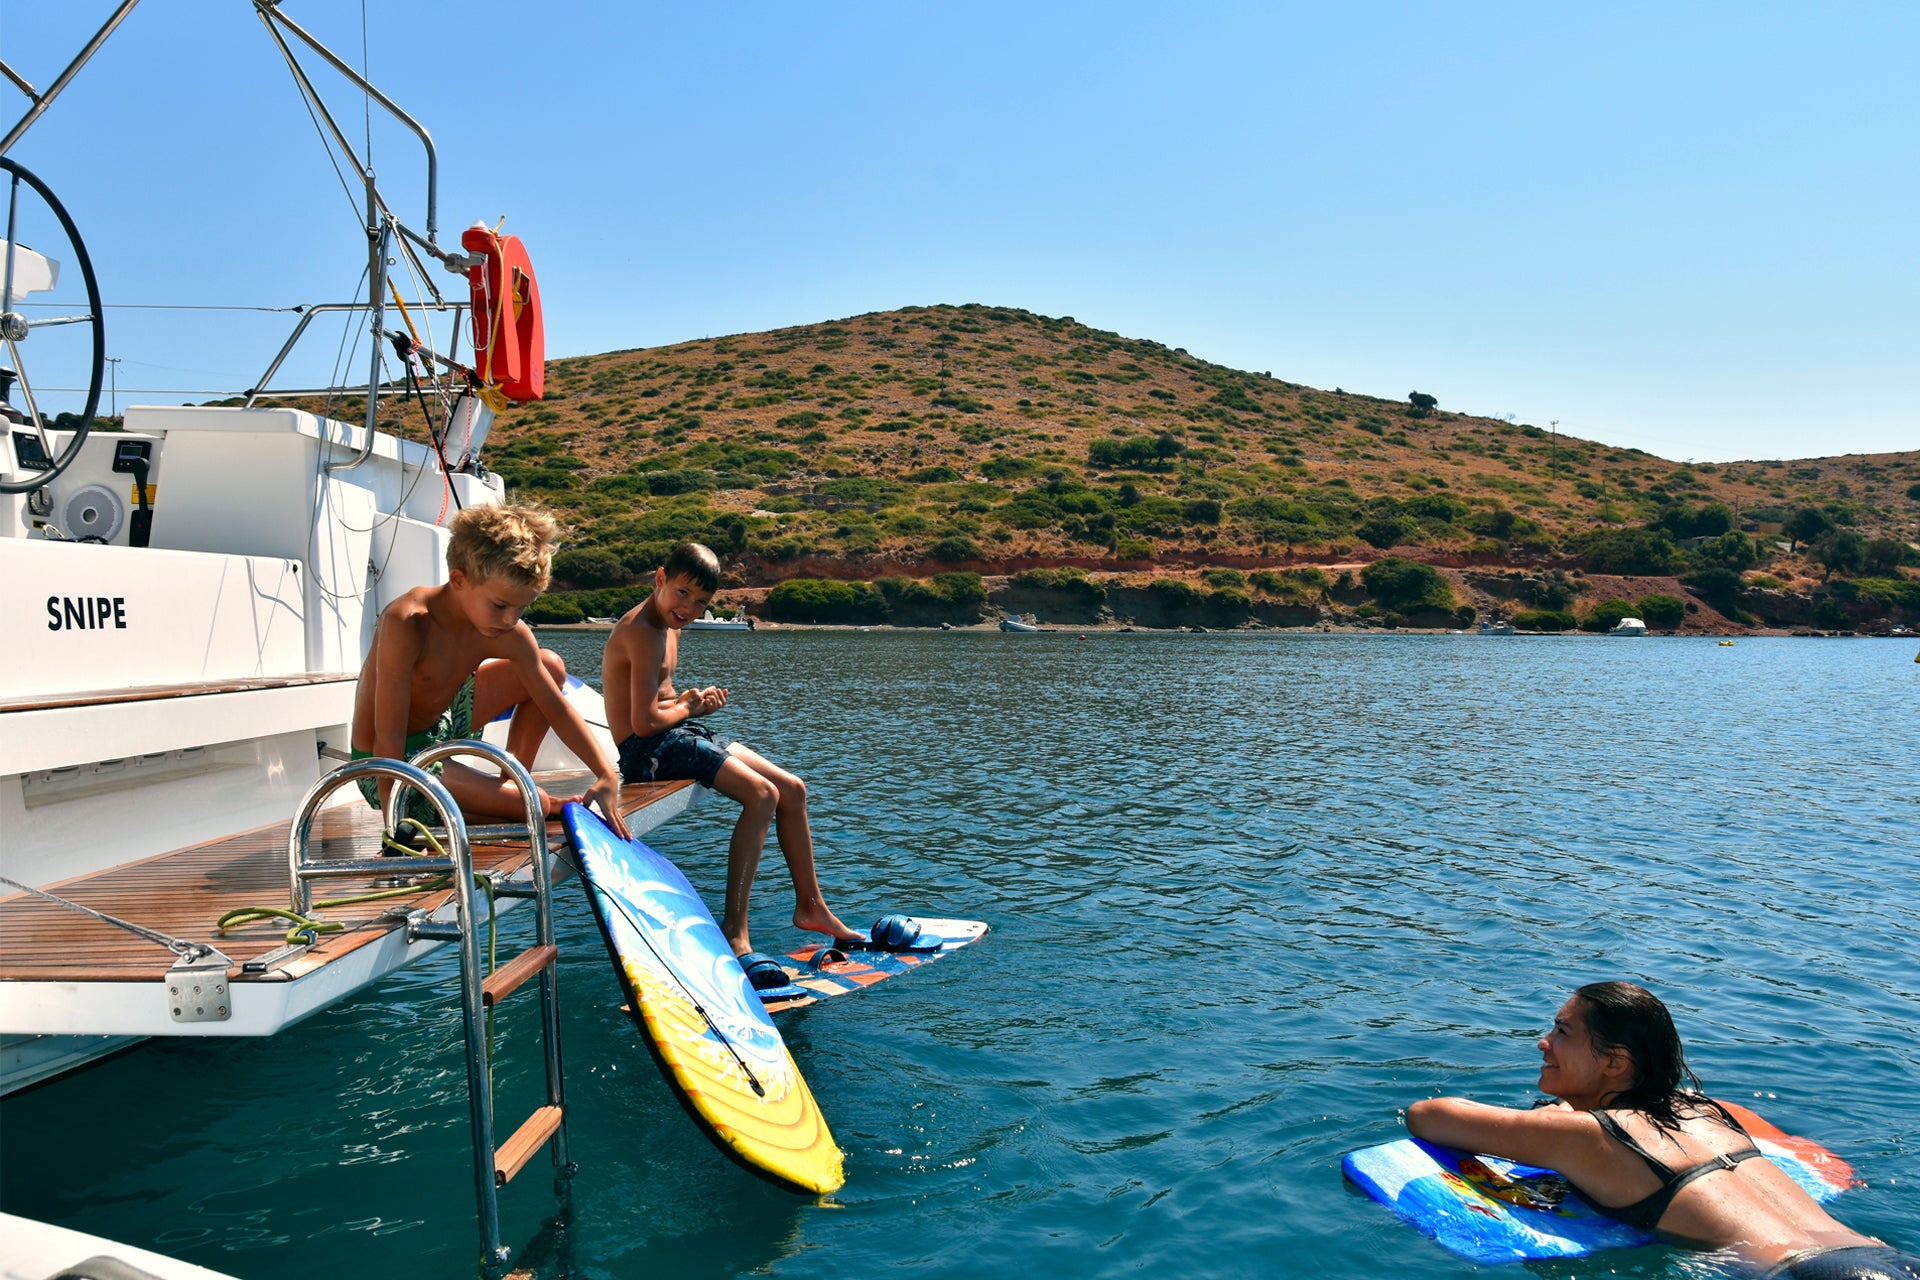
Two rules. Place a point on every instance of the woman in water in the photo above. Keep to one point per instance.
(1642, 1147)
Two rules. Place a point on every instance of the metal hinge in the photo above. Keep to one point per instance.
(197, 988)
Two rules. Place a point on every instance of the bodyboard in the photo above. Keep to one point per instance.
(861, 969)
(1492, 1210)
(701, 1020)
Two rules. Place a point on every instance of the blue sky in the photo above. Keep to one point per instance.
(1689, 228)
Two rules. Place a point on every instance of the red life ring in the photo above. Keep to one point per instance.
(509, 342)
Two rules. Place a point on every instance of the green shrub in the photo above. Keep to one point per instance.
(1222, 578)
(933, 475)
(1606, 615)
(1662, 612)
(1134, 549)
(819, 600)
(1138, 453)
(1543, 620)
(863, 489)
(1840, 550)
(1885, 593)
(1385, 531)
(552, 609)
(1407, 585)
(1885, 555)
(1435, 506)
(1172, 594)
(960, 589)
(1006, 467)
(1831, 615)
(1731, 550)
(1708, 521)
(679, 480)
(1202, 511)
(955, 548)
(781, 550)
(1072, 581)
(1806, 524)
(1635, 552)
(961, 593)
(588, 567)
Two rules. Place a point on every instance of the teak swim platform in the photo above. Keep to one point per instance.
(182, 893)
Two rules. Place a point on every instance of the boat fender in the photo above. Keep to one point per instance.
(509, 340)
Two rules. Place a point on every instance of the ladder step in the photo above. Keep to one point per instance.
(509, 977)
(526, 1140)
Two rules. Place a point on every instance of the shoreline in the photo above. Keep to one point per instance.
(1117, 628)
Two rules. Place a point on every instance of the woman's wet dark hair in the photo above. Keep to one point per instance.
(1621, 1015)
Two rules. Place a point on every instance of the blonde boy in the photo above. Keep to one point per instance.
(659, 739)
(447, 660)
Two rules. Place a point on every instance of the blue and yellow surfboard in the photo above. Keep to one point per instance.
(1493, 1210)
(704, 1025)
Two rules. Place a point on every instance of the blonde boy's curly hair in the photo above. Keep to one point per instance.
(515, 543)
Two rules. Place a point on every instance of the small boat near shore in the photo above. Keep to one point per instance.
(1496, 628)
(1629, 627)
(1020, 624)
(710, 621)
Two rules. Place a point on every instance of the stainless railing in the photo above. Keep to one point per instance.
(493, 1167)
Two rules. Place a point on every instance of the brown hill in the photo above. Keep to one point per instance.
(996, 438)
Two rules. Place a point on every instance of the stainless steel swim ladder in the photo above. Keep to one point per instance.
(493, 1167)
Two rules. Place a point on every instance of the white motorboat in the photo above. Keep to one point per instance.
(35, 1250)
(180, 689)
(1629, 627)
(1020, 623)
(1496, 628)
(709, 621)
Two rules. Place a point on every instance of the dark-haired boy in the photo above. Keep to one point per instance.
(661, 740)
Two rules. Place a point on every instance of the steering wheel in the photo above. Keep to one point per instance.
(15, 328)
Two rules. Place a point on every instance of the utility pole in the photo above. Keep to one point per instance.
(1553, 448)
(113, 410)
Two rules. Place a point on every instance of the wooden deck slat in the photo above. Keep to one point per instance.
(183, 892)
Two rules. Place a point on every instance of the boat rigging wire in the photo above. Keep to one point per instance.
(296, 309)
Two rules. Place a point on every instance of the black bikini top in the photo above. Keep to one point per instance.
(1646, 1214)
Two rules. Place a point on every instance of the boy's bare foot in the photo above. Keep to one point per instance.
(822, 920)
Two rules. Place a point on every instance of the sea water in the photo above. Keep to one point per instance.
(1250, 896)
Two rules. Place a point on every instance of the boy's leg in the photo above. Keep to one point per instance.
(496, 688)
(810, 910)
(758, 800)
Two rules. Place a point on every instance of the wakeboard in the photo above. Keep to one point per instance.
(823, 971)
(1491, 1210)
(707, 1030)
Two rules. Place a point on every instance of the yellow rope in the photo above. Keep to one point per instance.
(400, 302)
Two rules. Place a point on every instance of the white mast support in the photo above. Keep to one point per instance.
(269, 11)
(379, 235)
(41, 101)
